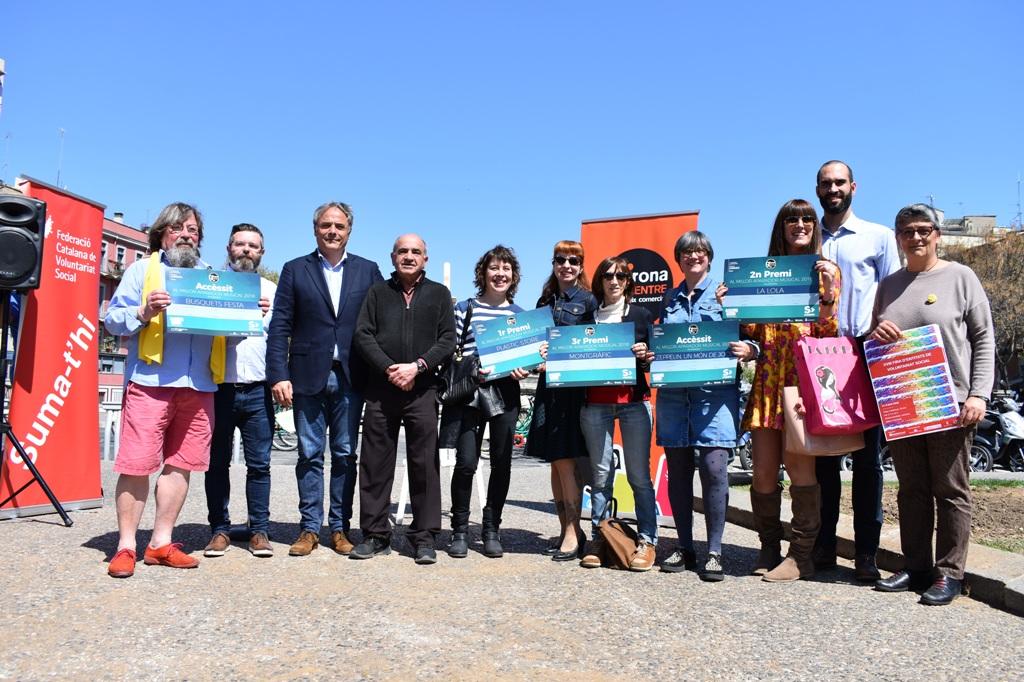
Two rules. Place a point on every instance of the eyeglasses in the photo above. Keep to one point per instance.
(327, 226)
(693, 253)
(794, 220)
(178, 229)
(621, 276)
(911, 232)
(571, 260)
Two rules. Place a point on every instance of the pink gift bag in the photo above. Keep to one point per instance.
(835, 386)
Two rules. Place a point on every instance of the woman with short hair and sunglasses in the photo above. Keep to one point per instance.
(698, 422)
(932, 468)
(613, 288)
(555, 434)
(794, 232)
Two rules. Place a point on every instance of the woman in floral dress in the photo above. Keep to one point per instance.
(795, 232)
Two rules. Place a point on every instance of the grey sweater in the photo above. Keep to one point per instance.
(952, 297)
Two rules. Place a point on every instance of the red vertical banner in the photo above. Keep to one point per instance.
(54, 403)
(648, 242)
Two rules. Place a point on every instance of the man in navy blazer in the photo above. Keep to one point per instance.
(312, 368)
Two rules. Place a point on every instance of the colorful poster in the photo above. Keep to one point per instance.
(912, 383)
(771, 289)
(213, 302)
(56, 380)
(512, 342)
(693, 354)
(591, 355)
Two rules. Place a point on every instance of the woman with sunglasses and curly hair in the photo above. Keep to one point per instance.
(613, 288)
(555, 435)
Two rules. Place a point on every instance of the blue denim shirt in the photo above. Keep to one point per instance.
(703, 417)
(569, 307)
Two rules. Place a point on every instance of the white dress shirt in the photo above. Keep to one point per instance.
(246, 360)
(334, 274)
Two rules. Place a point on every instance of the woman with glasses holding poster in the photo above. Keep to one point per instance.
(555, 434)
(697, 423)
(932, 468)
(795, 232)
(613, 287)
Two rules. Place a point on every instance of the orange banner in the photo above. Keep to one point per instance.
(54, 398)
(648, 242)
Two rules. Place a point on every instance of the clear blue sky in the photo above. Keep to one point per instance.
(482, 122)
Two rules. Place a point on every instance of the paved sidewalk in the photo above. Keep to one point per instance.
(523, 616)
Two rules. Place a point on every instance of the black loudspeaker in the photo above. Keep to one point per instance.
(22, 225)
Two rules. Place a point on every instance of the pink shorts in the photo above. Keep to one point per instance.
(164, 426)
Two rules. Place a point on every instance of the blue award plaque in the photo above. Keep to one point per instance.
(213, 302)
(512, 342)
(693, 353)
(591, 355)
(771, 289)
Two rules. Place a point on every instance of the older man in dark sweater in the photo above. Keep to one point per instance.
(406, 329)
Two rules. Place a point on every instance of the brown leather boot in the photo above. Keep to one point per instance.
(766, 508)
(307, 542)
(340, 542)
(806, 522)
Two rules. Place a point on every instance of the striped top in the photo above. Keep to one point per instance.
(481, 313)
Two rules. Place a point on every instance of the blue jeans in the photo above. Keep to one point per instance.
(249, 408)
(598, 424)
(337, 407)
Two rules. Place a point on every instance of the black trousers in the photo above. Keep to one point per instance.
(387, 409)
(467, 458)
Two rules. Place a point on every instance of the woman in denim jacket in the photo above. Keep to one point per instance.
(555, 434)
(697, 422)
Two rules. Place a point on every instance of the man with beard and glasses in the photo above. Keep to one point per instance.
(243, 401)
(866, 254)
(311, 365)
(167, 409)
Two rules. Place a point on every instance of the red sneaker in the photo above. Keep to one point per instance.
(169, 555)
(123, 564)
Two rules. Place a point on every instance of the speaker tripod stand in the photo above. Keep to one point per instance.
(7, 432)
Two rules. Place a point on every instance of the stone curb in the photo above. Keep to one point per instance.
(993, 576)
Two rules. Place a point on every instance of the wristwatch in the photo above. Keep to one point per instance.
(421, 365)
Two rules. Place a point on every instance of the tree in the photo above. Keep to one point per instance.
(272, 275)
(999, 264)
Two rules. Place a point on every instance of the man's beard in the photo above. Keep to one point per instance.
(183, 256)
(244, 264)
(839, 208)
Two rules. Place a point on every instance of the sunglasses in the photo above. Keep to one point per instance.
(621, 276)
(562, 260)
(794, 220)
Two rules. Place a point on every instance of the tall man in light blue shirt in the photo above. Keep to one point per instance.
(243, 401)
(866, 253)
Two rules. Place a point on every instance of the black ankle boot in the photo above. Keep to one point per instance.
(489, 534)
(459, 546)
(492, 544)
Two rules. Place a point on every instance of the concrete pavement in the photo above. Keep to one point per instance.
(523, 616)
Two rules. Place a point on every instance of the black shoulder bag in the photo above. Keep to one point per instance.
(459, 375)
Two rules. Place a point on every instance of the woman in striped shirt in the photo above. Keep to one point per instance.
(496, 278)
